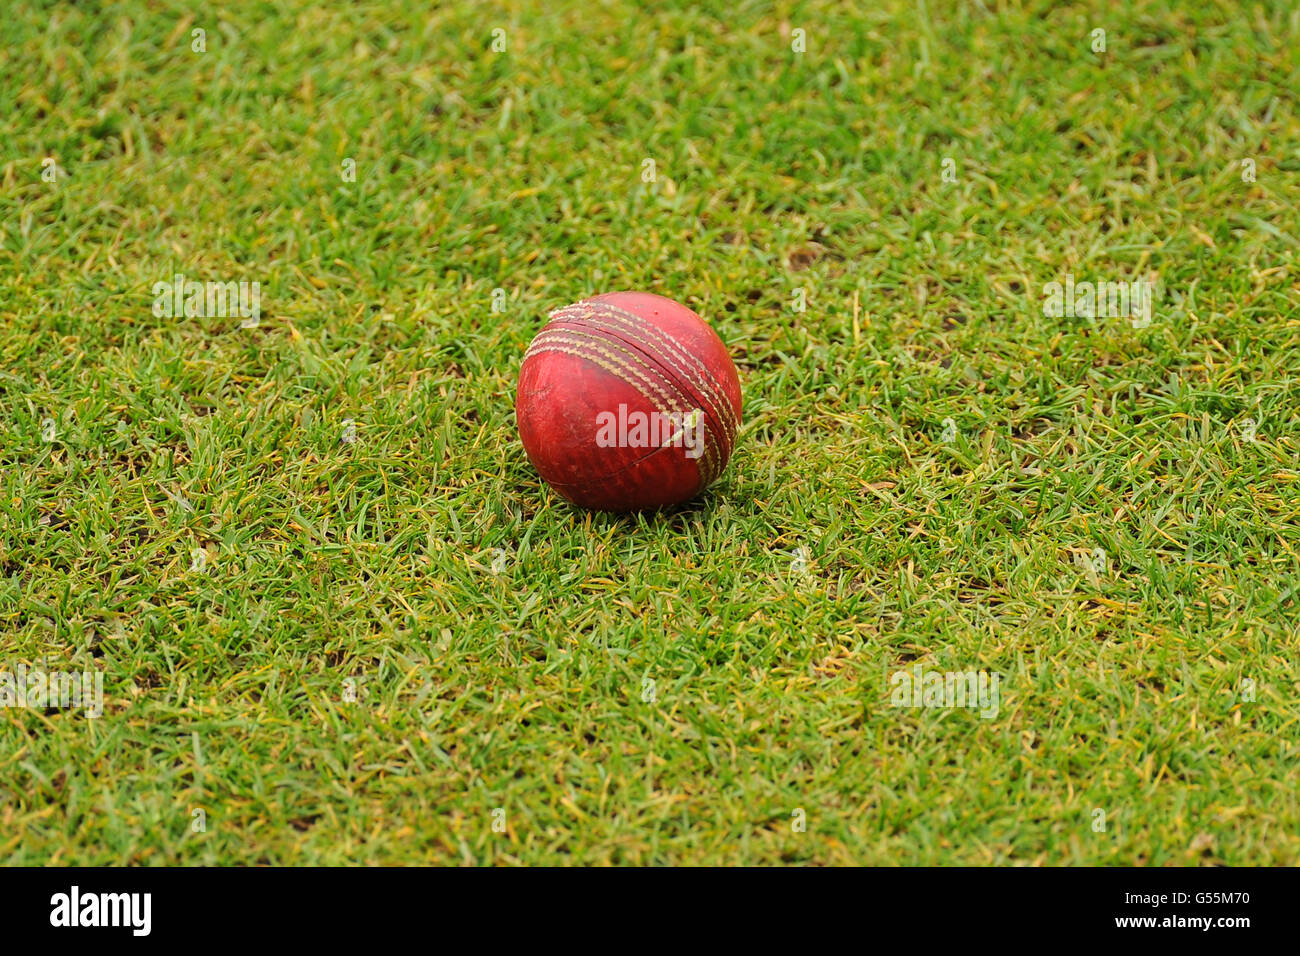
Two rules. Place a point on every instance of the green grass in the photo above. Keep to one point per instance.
(1128, 691)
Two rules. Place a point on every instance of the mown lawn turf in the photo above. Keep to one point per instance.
(673, 688)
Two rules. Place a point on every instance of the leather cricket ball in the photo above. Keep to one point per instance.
(627, 401)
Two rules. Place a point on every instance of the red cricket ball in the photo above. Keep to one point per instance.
(627, 402)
